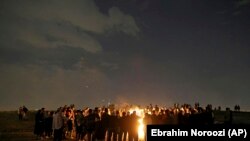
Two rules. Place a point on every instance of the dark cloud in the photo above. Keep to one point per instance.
(49, 24)
(49, 50)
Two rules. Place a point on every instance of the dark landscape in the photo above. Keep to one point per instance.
(12, 129)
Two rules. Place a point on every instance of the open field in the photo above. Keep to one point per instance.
(11, 129)
(238, 117)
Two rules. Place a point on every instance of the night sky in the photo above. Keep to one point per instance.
(91, 53)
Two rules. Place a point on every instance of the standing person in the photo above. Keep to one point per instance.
(133, 122)
(100, 130)
(228, 118)
(36, 129)
(105, 118)
(58, 125)
(70, 118)
(20, 113)
(40, 123)
(124, 126)
(80, 122)
(48, 124)
(25, 111)
(90, 125)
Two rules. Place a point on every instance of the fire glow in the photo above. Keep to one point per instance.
(141, 126)
(141, 133)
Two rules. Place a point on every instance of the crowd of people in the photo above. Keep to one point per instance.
(22, 112)
(109, 123)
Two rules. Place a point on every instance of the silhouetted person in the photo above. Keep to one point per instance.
(90, 125)
(228, 118)
(20, 113)
(40, 123)
(100, 130)
(106, 123)
(48, 124)
(237, 108)
(133, 130)
(25, 111)
(80, 124)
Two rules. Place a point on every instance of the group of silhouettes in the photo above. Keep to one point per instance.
(106, 124)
